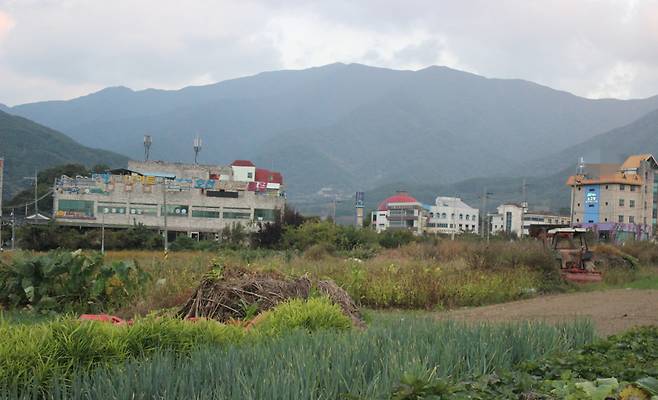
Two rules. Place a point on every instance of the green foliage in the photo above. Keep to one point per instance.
(326, 364)
(51, 236)
(598, 371)
(63, 280)
(628, 357)
(311, 315)
(395, 238)
(33, 354)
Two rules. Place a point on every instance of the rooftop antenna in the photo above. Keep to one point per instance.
(581, 166)
(147, 146)
(197, 148)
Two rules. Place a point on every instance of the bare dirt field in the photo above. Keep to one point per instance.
(612, 311)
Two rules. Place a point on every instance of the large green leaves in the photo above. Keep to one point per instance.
(62, 280)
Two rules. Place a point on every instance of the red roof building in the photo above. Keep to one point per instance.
(397, 198)
(242, 163)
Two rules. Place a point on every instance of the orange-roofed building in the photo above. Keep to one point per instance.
(617, 201)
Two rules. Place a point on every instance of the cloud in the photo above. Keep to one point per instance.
(64, 48)
(6, 24)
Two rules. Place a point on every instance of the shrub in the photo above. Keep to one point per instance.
(395, 238)
(62, 280)
(39, 352)
(311, 315)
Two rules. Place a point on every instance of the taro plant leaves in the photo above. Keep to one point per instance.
(62, 280)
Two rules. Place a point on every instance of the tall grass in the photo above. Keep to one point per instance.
(328, 365)
(429, 275)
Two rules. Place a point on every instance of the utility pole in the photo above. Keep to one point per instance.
(13, 229)
(2, 164)
(34, 178)
(485, 217)
(164, 201)
(103, 232)
(524, 205)
(454, 226)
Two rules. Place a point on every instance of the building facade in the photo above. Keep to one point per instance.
(195, 199)
(451, 215)
(618, 202)
(507, 219)
(400, 211)
(513, 218)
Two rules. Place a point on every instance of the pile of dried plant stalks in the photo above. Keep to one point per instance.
(237, 292)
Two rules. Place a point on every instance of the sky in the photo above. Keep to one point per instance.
(61, 49)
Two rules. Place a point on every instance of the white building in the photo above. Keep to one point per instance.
(508, 219)
(400, 211)
(512, 218)
(451, 214)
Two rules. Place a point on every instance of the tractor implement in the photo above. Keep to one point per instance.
(569, 245)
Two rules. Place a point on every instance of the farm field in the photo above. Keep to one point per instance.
(458, 319)
(611, 311)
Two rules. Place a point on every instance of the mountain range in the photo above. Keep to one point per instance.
(27, 146)
(340, 128)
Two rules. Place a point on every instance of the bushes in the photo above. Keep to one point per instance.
(395, 238)
(63, 280)
(39, 352)
(36, 353)
(310, 315)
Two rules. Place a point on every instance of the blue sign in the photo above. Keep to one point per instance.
(591, 204)
(359, 200)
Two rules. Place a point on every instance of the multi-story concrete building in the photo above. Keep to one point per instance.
(513, 218)
(400, 211)
(618, 202)
(199, 200)
(543, 219)
(451, 215)
(508, 219)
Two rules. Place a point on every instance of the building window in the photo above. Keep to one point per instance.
(75, 209)
(631, 219)
(205, 214)
(468, 217)
(606, 186)
(621, 219)
(621, 202)
(461, 216)
(508, 222)
(606, 203)
(578, 205)
(633, 188)
(175, 210)
(444, 216)
(107, 209)
(631, 203)
(236, 215)
(250, 175)
(606, 219)
(263, 214)
(622, 187)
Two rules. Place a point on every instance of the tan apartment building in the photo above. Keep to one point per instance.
(199, 200)
(617, 201)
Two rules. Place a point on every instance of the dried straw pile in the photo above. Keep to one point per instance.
(236, 292)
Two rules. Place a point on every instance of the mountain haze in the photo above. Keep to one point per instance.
(26, 145)
(347, 126)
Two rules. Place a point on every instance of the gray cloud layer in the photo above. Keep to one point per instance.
(52, 49)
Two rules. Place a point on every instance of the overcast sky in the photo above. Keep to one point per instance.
(59, 49)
